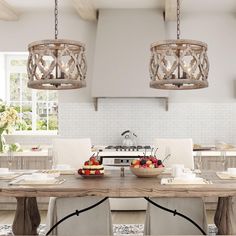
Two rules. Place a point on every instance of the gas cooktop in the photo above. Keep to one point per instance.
(128, 148)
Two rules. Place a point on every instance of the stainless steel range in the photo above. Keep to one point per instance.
(122, 155)
(128, 148)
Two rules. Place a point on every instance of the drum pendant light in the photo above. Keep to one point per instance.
(179, 64)
(56, 64)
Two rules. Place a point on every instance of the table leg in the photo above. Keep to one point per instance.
(27, 217)
(225, 216)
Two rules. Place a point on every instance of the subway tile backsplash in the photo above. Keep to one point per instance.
(206, 123)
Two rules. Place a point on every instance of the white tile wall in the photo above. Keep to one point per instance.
(204, 122)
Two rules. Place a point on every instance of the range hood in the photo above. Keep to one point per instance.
(122, 53)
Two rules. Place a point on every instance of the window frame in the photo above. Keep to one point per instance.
(9, 70)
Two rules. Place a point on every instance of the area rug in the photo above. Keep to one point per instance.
(118, 229)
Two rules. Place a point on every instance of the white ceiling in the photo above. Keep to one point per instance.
(187, 5)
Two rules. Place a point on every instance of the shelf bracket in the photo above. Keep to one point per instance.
(166, 100)
(95, 103)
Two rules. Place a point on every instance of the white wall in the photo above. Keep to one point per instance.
(218, 31)
(205, 115)
(2, 78)
(16, 35)
(122, 52)
(204, 122)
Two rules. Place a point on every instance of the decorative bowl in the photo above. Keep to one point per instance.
(147, 172)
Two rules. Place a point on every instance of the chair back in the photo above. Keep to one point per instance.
(96, 221)
(180, 150)
(73, 152)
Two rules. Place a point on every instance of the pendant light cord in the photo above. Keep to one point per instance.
(56, 18)
(178, 19)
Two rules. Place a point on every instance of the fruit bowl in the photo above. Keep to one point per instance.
(147, 172)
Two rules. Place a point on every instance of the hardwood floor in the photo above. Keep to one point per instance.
(118, 217)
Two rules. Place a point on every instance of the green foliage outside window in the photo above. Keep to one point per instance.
(37, 108)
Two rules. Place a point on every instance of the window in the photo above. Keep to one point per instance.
(38, 109)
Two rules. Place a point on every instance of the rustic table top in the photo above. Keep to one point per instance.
(112, 185)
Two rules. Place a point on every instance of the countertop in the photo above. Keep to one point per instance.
(44, 152)
(28, 153)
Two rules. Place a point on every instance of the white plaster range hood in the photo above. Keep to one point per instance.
(122, 53)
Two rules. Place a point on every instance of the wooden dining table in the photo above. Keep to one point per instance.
(27, 217)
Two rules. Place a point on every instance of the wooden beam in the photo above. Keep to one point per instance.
(170, 10)
(7, 13)
(85, 9)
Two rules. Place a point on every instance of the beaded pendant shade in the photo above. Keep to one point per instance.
(179, 64)
(56, 64)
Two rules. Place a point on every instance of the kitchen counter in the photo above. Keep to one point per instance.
(195, 153)
(44, 152)
(231, 152)
(28, 153)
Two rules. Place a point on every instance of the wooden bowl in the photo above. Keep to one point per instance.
(146, 172)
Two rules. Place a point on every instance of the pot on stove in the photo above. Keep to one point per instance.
(129, 138)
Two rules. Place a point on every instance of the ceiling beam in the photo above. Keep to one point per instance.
(170, 10)
(85, 9)
(7, 13)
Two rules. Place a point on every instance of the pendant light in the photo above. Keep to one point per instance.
(56, 64)
(179, 64)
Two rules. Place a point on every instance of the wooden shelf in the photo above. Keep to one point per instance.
(165, 99)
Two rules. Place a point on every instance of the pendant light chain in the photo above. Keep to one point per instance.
(56, 18)
(178, 19)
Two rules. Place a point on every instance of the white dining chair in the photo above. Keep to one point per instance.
(97, 221)
(73, 152)
(180, 151)
(160, 222)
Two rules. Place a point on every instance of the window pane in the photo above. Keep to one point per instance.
(27, 101)
(26, 92)
(53, 95)
(17, 106)
(41, 116)
(52, 116)
(15, 86)
(26, 116)
(42, 95)
(20, 62)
